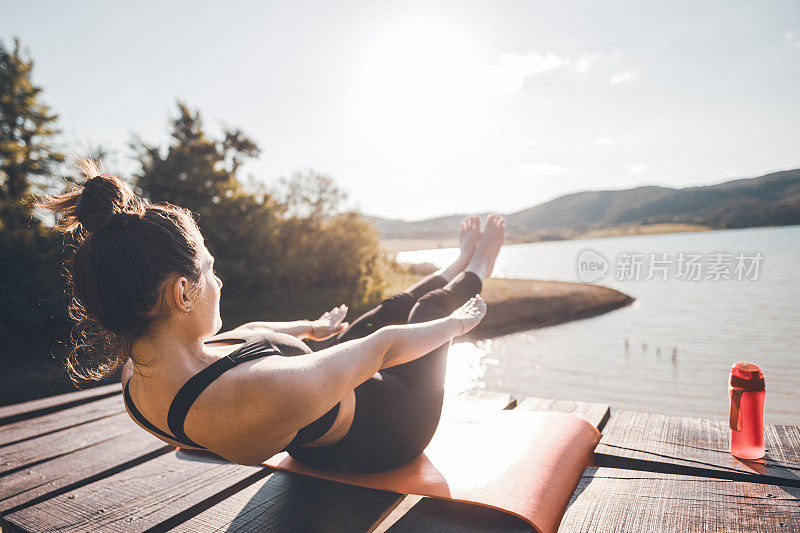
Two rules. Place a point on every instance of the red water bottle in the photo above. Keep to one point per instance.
(747, 411)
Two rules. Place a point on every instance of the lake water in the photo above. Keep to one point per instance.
(708, 324)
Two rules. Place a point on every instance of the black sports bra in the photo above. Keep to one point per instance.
(256, 345)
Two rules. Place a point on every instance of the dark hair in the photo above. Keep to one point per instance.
(126, 249)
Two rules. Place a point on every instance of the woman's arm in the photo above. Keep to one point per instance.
(304, 387)
(329, 324)
(288, 393)
(298, 328)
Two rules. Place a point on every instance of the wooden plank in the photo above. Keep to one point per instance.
(160, 493)
(695, 446)
(72, 470)
(596, 414)
(42, 406)
(292, 502)
(37, 450)
(50, 423)
(611, 500)
(168, 490)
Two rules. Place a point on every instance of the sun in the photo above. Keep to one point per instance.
(418, 80)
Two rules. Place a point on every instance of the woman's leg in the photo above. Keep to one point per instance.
(393, 310)
(396, 309)
(398, 409)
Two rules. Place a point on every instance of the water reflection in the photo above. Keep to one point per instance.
(671, 351)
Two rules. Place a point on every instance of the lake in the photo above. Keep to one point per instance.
(671, 351)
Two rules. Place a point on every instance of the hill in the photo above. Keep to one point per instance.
(769, 200)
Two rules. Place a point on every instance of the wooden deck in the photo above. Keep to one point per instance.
(77, 462)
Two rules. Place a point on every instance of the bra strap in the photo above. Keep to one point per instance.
(126, 396)
(192, 389)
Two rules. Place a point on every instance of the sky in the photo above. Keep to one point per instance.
(421, 109)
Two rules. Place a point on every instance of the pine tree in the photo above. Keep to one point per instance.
(27, 128)
(196, 171)
(33, 314)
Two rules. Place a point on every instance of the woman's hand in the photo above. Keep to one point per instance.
(329, 324)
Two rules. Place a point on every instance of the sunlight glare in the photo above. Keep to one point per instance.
(420, 82)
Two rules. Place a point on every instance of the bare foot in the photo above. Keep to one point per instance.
(469, 234)
(470, 314)
(494, 234)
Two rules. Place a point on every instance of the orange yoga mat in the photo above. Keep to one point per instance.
(522, 462)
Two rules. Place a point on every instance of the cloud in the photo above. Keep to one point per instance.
(585, 62)
(606, 141)
(511, 71)
(636, 170)
(622, 77)
(791, 38)
(542, 169)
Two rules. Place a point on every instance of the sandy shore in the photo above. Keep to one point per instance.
(520, 304)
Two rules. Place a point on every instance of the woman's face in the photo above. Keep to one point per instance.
(207, 306)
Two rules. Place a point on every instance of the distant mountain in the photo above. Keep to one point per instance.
(770, 200)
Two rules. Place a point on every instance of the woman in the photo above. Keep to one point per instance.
(143, 278)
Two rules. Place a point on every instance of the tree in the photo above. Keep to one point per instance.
(27, 128)
(33, 313)
(309, 195)
(200, 173)
(328, 249)
(196, 171)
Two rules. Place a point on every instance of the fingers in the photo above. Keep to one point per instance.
(337, 313)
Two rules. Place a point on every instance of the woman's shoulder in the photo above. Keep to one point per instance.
(286, 344)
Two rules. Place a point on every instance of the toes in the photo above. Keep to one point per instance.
(470, 222)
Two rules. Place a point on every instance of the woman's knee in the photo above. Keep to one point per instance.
(397, 307)
(436, 304)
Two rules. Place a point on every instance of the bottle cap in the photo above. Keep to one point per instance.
(746, 376)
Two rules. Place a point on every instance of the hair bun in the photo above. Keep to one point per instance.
(96, 204)
(103, 197)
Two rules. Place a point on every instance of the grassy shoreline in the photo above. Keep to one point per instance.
(427, 243)
(521, 304)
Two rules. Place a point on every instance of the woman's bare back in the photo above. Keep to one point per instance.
(215, 410)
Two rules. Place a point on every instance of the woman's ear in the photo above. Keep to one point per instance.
(180, 294)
